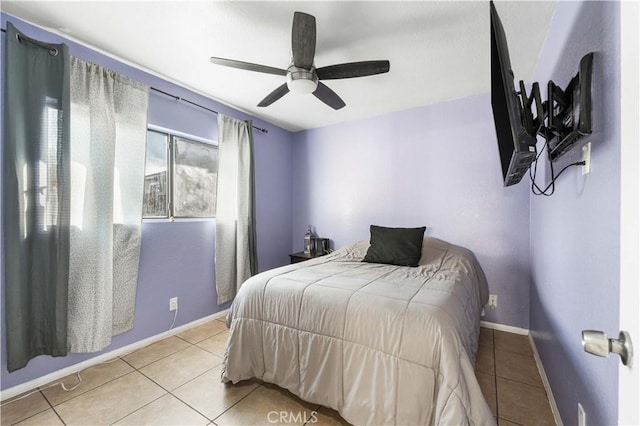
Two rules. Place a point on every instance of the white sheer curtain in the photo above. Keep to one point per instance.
(236, 258)
(108, 136)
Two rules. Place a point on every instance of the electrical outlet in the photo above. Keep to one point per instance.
(586, 157)
(582, 417)
(173, 303)
(493, 301)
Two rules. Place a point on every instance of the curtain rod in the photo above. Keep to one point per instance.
(178, 98)
(52, 50)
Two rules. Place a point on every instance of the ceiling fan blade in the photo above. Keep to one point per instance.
(248, 66)
(274, 96)
(352, 69)
(303, 40)
(328, 96)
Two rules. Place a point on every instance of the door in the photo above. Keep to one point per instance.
(629, 378)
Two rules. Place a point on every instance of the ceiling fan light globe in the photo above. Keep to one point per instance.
(301, 81)
(302, 86)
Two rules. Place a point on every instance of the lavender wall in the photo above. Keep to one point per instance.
(575, 234)
(436, 166)
(177, 258)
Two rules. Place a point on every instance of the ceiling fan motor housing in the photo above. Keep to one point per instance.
(302, 81)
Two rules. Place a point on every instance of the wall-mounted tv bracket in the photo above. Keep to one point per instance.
(567, 112)
(534, 125)
(570, 110)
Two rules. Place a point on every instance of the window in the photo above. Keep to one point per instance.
(43, 178)
(156, 203)
(180, 177)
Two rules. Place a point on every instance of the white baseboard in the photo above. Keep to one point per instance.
(545, 381)
(59, 374)
(502, 327)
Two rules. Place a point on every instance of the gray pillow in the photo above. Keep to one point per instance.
(395, 246)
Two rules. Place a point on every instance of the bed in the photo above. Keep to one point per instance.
(381, 344)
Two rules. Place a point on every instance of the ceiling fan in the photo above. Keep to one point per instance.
(302, 75)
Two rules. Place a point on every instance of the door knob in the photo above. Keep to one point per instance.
(597, 343)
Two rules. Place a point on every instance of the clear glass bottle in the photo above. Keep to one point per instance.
(309, 241)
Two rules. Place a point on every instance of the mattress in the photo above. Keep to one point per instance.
(381, 344)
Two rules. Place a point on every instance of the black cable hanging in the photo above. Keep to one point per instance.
(535, 189)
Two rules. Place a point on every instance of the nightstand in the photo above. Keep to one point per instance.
(302, 256)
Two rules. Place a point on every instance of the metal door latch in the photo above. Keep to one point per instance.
(597, 343)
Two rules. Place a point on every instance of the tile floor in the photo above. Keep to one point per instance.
(176, 381)
(509, 378)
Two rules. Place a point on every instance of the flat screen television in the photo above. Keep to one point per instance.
(516, 143)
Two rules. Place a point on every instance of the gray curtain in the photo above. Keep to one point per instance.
(236, 258)
(35, 198)
(108, 139)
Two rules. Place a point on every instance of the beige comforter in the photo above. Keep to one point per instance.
(381, 344)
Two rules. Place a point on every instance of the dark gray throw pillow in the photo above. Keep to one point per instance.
(395, 246)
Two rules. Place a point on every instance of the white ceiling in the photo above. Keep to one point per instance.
(439, 50)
